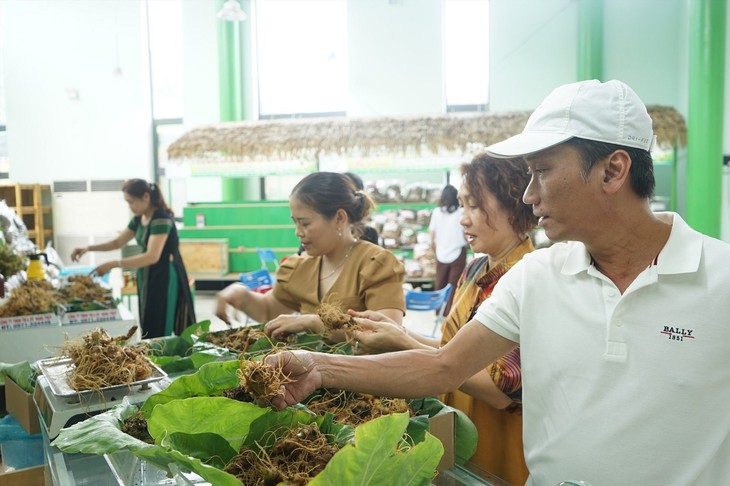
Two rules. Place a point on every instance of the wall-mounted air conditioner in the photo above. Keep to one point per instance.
(88, 212)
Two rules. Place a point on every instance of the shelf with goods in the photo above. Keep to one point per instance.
(33, 205)
(403, 229)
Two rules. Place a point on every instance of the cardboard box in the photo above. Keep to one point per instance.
(20, 405)
(444, 428)
(205, 255)
(32, 476)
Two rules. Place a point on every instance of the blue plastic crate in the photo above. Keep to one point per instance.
(81, 270)
(18, 448)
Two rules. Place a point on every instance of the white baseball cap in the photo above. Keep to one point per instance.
(608, 112)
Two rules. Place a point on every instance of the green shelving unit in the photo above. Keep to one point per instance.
(247, 226)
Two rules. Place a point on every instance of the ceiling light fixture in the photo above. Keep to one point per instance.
(232, 11)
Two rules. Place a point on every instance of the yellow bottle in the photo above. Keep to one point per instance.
(35, 266)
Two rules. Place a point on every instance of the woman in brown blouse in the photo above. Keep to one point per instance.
(496, 223)
(339, 268)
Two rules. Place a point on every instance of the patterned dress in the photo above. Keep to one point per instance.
(499, 448)
(165, 300)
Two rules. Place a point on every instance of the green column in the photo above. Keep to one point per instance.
(234, 77)
(705, 115)
(229, 69)
(590, 39)
(233, 189)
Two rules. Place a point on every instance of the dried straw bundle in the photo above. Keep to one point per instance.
(310, 138)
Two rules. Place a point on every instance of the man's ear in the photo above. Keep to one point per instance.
(616, 168)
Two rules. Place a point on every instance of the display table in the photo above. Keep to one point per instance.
(73, 469)
(36, 343)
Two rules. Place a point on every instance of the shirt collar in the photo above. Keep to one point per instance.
(681, 253)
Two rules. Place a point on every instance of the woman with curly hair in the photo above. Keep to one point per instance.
(497, 224)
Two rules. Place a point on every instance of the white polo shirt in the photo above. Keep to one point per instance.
(629, 389)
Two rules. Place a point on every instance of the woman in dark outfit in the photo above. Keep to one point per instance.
(165, 301)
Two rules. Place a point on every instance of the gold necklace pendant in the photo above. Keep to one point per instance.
(339, 265)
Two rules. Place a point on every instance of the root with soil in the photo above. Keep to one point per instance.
(355, 408)
(100, 361)
(262, 381)
(335, 320)
(294, 459)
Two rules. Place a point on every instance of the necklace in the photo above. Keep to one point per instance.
(339, 265)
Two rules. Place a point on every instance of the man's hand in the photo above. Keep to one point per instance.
(299, 370)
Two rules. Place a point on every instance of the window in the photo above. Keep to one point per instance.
(466, 54)
(301, 51)
(4, 162)
(164, 23)
(164, 33)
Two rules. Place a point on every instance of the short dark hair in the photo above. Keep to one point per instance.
(326, 192)
(641, 173)
(507, 179)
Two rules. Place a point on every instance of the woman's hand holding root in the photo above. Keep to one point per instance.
(302, 376)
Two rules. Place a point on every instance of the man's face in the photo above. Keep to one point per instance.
(567, 204)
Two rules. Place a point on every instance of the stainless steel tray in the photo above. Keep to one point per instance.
(56, 371)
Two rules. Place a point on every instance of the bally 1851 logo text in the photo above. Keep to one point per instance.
(677, 333)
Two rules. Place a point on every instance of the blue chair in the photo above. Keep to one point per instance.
(429, 300)
(266, 255)
(258, 280)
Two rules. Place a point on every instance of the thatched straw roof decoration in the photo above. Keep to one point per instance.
(669, 126)
(308, 138)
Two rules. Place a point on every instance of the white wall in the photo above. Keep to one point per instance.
(650, 50)
(395, 68)
(532, 50)
(200, 63)
(53, 49)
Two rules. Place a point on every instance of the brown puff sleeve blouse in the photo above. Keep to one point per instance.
(371, 278)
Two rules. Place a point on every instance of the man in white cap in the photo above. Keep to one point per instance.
(623, 325)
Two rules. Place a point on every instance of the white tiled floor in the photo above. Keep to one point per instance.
(420, 322)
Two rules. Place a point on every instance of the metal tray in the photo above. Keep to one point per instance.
(55, 370)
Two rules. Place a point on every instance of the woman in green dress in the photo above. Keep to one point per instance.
(165, 300)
